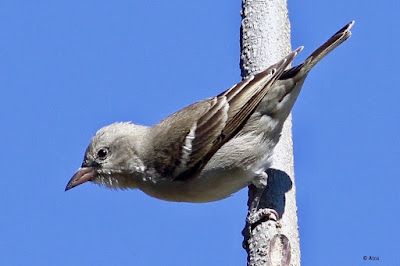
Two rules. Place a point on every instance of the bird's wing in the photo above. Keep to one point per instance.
(195, 133)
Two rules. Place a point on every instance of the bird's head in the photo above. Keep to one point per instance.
(112, 157)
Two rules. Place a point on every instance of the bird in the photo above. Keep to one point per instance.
(209, 150)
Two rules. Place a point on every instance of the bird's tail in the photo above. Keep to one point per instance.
(283, 94)
(338, 38)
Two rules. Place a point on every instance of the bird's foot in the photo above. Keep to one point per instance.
(262, 215)
(256, 215)
(261, 180)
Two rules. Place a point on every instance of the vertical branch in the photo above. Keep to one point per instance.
(265, 39)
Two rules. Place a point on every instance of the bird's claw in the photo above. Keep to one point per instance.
(262, 214)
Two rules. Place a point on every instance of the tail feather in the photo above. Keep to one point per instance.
(283, 94)
(338, 38)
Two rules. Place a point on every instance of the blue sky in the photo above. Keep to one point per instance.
(68, 68)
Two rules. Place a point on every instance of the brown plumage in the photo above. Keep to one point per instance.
(210, 149)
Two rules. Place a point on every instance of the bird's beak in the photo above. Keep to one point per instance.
(81, 176)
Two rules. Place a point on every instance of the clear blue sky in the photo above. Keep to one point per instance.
(68, 68)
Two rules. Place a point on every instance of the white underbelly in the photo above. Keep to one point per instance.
(209, 186)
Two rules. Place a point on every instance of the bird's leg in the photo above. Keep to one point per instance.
(255, 214)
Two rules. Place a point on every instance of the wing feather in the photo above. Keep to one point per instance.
(196, 132)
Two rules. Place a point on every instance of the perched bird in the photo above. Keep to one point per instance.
(208, 150)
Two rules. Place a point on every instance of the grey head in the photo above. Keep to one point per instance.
(112, 157)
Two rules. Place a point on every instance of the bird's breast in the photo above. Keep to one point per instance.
(210, 185)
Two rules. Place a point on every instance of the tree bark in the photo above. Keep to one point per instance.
(265, 39)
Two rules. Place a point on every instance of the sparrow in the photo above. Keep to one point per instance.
(208, 150)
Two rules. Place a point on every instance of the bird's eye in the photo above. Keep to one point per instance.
(102, 153)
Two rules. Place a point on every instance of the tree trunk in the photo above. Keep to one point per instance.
(265, 39)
